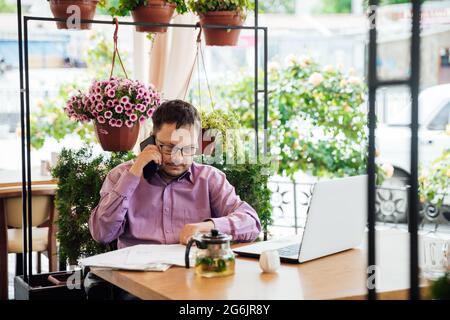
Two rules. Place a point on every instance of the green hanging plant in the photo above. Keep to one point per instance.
(123, 8)
(203, 6)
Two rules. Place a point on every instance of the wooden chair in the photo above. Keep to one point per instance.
(44, 229)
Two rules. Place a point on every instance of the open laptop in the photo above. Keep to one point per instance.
(336, 220)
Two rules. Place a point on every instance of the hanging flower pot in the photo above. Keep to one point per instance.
(116, 138)
(208, 145)
(155, 11)
(221, 37)
(118, 106)
(60, 7)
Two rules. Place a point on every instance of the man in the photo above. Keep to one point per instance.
(180, 200)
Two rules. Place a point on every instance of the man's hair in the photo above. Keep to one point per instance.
(175, 111)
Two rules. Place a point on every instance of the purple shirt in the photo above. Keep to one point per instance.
(137, 211)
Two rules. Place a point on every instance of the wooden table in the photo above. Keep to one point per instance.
(339, 276)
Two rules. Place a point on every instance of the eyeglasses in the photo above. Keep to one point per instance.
(169, 149)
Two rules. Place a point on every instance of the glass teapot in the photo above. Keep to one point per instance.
(214, 257)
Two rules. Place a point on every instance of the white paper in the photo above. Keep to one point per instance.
(145, 257)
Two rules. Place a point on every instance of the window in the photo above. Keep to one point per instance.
(440, 121)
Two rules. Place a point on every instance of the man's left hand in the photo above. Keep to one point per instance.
(191, 229)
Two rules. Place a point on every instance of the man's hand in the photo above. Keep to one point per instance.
(150, 153)
(190, 229)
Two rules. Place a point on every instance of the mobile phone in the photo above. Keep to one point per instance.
(152, 167)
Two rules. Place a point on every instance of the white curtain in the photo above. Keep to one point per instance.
(171, 57)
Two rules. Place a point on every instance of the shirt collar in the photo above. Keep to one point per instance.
(188, 175)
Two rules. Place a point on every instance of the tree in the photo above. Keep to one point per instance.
(7, 7)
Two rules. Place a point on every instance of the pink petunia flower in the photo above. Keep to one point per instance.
(101, 119)
(150, 112)
(140, 107)
(142, 119)
(111, 93)
(133, 117)
(119, 109)
(119, 123)
(108, 114)
(128, 123)
(124, 100)
(112, 122)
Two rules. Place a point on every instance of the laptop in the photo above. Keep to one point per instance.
(336, 221)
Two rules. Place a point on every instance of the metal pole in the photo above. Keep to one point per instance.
(22, 128)
(148, 24)
(256, 78)
(414, 293)
(28, 147)
(372, 84)
(266, 97)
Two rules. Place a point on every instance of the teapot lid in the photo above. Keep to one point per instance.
(216, 237)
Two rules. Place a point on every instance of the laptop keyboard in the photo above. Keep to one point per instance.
(288, 251)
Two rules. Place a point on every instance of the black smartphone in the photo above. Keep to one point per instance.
(152, 167)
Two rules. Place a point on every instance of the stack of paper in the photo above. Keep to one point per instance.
(144, 257)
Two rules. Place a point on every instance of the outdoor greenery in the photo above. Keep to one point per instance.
(80, 177)
(7, 7)
(277, 6)
(434, 183)
(440, 288)
(50, 121)
(317, 122)
(123, 7)
(345, 6)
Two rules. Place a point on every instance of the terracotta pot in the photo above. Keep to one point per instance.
(87, 10)
(221, 37)
(116, 139)
(207, 140)
(155, 11)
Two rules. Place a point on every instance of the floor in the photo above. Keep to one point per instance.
(12, 270)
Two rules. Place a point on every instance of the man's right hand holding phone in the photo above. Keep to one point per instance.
(150, 153)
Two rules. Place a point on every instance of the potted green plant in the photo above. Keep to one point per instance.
(215, 123)
(80, 177)
(151, 11)
(117, 107)
(219, 12)
(440, 288)
(64, 9)
(249, 178)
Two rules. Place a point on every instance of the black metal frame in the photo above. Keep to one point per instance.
(25, 107)
(413, 82)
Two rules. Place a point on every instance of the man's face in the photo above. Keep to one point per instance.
(173, 142)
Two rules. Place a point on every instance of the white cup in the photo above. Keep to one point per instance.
(269, 261)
